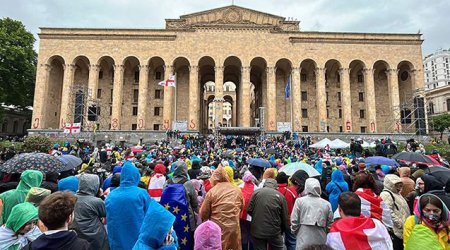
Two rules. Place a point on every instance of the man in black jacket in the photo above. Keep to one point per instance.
(56, 212)
(269, 212)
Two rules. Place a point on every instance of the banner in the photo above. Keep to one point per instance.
(180, 125)
(283, 126)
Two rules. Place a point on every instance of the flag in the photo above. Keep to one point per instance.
(287, 90)
(169, 82)
(72, 128)
(358, 233)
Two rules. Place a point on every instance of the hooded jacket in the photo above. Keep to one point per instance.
(396, 203)
(152, 235)
(269, 212)
(433, 186)
(125, 208)
(223, 205)
(207, 236)
(337, 186)
(311, 216)
(67, 240)
(68, 184)
(408, 183)
(21, 214)
(89, 210)
(28, 179)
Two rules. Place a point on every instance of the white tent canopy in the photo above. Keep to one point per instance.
(366, 144)
(321, 143)
(337, 143)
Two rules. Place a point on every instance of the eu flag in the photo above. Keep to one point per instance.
(174, 199)
(287, 90)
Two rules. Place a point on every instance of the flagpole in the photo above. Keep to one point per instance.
(175, 89)
(291, 96)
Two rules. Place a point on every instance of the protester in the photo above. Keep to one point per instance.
(157, 182)
(28, 179)
(336, 187)
(298, 180)
(311, 216)
(247, 189)
(223, 205)
(414, 195)
(50, 182)
(397, 204)
(428, 228)
(355, 231)
(20, 228)
(89, 213)
(207, 236)
(125, 208)
(56, 212)
(115, 183)
(290, 193)
(68, 184)
(408, 183)
(36, 195)
(436, 187)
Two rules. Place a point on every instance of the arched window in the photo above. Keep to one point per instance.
(5, 126)
(448, 104)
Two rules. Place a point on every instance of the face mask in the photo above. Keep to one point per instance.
(434, 218)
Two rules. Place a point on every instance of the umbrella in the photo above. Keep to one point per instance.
(153, 146)
(435, 163)
(32, 161)
(291, 168)
(441, 173)
(380, 160)
(70, 162)
(412, 157)
(238, 150)
(136, 150)
(271, 151)
(258, 162)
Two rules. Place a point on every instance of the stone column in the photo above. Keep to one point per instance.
(143, 97)
(271, 124)
(394, 97)
(194, 109)
(245, 101)
(218, 96)
(40, 92)
(234, 113)
(346, 99)
(66, 112)
(93, 80)
(321, 99)
(296, 100)
(369, 96)
(117, 97)
(168, 100)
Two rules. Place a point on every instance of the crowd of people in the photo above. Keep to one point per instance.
(204, 193)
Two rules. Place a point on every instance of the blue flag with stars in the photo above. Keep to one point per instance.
(287, 89)
(174, 199)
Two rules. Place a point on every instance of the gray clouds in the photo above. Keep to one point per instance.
(432, 18)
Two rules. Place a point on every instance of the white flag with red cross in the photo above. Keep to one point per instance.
(72, 128)
(169, 82)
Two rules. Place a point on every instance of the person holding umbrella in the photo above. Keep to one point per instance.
(28, 179)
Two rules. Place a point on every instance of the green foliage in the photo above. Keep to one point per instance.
(443, 149)
(37, 144)
(440, 123)
(17, 64)
(7, 144)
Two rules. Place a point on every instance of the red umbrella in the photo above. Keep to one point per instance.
(435, 163)
(136, 150)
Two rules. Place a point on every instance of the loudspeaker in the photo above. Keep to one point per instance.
(92, 113)
(419, 113)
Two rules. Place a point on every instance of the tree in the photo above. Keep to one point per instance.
(37, 143)
(440, 123)
(17, 64)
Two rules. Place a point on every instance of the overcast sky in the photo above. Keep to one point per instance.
(431, 18)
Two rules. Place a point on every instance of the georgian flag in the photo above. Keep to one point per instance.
(359, 233)
(169, 82)
(72, 128)
(374, 207)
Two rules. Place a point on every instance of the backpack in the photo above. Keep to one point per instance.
(422, 238)
(175, 200)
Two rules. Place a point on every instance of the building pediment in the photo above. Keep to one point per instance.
(232, 17)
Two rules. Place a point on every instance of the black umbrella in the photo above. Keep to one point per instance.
(441, 173)
(271, 151)
(412, 157)
(32, 161)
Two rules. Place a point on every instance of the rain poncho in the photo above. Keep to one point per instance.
(125, 208)
(28, 179)
(21, 214)
(153, 236)
(36, 195)
(68, 184)
(207, 236)
(89, 210)
(230, 173)
(311, 216)
(222, 205)
(337, 186)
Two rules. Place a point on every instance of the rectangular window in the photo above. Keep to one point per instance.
(135, 111)
(110, 110)
(338, 78)
(340, 113)
(328, 113)
(100, 74)
(340, 129)
(361, 96)
(362, 113)
(327, 96)
(99, 93)
(304, 113)
(304, 96)
(339, 96)
(156, 127)
(360, 78)
(136, 76)
(134, 126)
(136, 95)
(157, 111)
(111, 96)
(305, 129)
(157, 94)
(363, 129)
(158, 75)
(303, 77)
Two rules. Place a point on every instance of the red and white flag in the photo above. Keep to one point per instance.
(72, 128)
(372, 206)
(359, 233)
(169, 82)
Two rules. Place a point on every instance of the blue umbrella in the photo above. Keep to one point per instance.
(380, 160)
(69, 162)
(291, 168)
(238, 150)
(258, 162)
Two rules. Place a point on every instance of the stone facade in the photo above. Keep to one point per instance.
(350, 82)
